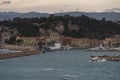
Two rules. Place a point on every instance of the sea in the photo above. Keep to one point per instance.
(60, 65)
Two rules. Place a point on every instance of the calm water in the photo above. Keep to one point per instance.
(60, 65)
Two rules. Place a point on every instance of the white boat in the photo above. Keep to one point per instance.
(56, 46)
(67, 47)
(106, 57)
(97, 59)
(99, 48)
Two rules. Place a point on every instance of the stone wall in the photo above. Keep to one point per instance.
(20, 47)
(18, 54)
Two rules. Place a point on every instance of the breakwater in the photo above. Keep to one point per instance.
(20, 47)
(106, 57)
(18, 54)
(112, 58)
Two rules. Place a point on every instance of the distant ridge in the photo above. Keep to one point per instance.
(113, 16)
(11, 15)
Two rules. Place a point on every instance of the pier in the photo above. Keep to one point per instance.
(18, 54)
(24, 51)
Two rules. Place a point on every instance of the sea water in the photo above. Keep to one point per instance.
(59, 65)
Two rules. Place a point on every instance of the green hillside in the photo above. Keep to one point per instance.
(77, 27)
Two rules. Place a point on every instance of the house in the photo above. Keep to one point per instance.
(29, 40)
(85, 42)
(81, 43)
(66, 40)
(54, 36)
(95, 42)
(111, 41)
(5, 35)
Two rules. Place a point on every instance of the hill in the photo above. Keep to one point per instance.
(11, 15)
(78, 27)
(113, 16)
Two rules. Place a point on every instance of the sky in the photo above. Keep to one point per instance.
(53, 6)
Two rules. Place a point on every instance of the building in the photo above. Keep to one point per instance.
(66, 40)
(54, 36)
(85, 42)
(95, 42)
(81, 43)
(111, 41)
(29, 40)
(5, 35)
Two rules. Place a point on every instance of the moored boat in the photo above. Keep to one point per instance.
(97, 59)
(56, 46)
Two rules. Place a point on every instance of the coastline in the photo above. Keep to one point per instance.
(18, 54)
(21, 51)
(20, 47)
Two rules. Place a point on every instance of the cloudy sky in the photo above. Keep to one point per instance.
(51, 6)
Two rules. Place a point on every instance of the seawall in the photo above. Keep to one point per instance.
(20, 47)
(18, 54)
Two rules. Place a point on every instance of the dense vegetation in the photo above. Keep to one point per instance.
(86, 26)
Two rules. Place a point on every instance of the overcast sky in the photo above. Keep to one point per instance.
(51, 6)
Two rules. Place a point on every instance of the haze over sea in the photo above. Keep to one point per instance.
(59, 65)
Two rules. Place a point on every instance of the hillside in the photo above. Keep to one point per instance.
(78, 27)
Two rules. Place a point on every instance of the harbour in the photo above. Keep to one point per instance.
(59, 65)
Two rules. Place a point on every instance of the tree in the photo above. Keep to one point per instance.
(12, 40)
(19, 41)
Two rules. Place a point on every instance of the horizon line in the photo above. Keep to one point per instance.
(55, 12)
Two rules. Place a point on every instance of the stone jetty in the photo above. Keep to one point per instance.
(113, 58)
(22, 51)
(18, 54)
